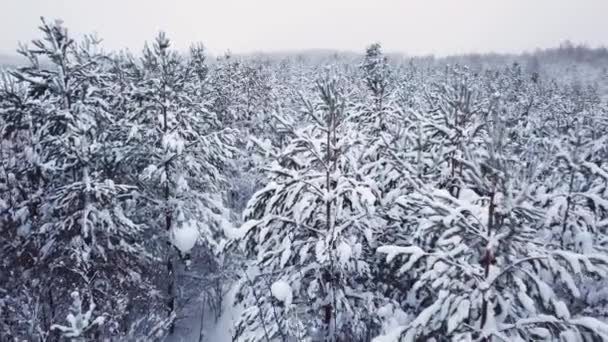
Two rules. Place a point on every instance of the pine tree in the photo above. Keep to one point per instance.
(180, 154)
(309, 233)
(479, 272)
(80, 324)
(377, 76)
(73, 219)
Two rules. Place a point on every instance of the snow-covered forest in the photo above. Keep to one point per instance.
(169, 196)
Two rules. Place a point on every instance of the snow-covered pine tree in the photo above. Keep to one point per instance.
(377, 77)
(83, 136)
(225, 88)
(573, 191)
(242, 93)
(73, 219)
(308, 233)
(19, 182)
(454, 117)
(480, 272)
(422, 144)
(80, 323)
(180, 156)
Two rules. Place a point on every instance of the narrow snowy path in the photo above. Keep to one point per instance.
(197, 323)
(223, 329)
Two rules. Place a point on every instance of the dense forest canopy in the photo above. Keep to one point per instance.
(314, 197)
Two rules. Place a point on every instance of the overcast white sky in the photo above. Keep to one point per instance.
(409, 26)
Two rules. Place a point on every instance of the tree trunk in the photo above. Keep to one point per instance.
(486, 261)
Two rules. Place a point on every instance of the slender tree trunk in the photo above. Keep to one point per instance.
(330, 308)
(168, 221)
(568, 205)
(487, 258)
(201, 331)
(328, 276)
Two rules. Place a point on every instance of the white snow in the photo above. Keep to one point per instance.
(526, 302)
(237, 233)
(148, 172)
(568, 336)
(320, 251)
(185, 237)
(344, 252)
(392, 251)
(462, 312)
(584, 242)
(286, 254)
(281, 290)
(392, 318)
(367, 199)
(561, 310)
